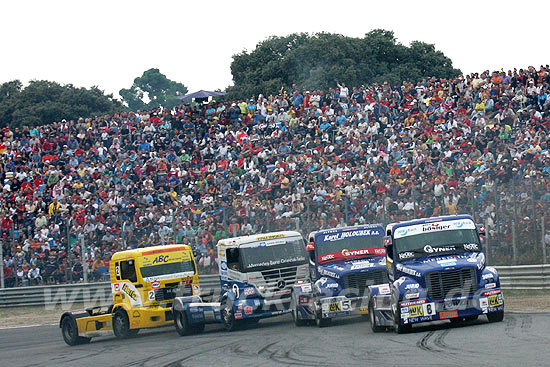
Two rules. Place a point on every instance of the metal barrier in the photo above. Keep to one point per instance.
(511, 277)
(90, 294)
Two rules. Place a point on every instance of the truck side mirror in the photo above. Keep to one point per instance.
(310, 246)
(481, 229)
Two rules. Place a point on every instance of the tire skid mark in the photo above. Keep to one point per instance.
(279, 356)
(178, 362)
(423, 342)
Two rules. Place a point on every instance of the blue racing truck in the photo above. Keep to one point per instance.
(257, 274)
(343, 262)
(437, 271)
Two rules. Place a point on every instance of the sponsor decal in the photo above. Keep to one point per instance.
(281, 292)
(431, 227)
(350, 254)
(408, 271)
(495, 300)
(238, 315)
(223, 265)
(349, 234)
(248, 310)
(263, 238)
(483, 303)
(412, 295)
(406, 255)
(131, 293)
(412, 286)
(196, 289)
(490, 285)
(306, 287)
(415, 229)
(155, 285)
(328, 273)
(490, 293)
(448, 314)
(432, 250)
(249, 291)
(412, 303)
(487, 276)
(276, 262)
(404, 310)
(331, 285)
(116, 287)
(235, 289)
(384, 289)
(361, 265)
(471, 246)
(416, 311)
(310, 247)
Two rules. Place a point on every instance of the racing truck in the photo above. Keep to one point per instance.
(257, 274)
(437, 271)
(343, 263)
(144, 283)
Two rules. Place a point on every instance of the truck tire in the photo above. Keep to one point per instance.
(373, 324)
(294, 308)
(228, 316)
(181, 323)
(121, 325)
(69, 330)
(495, 316)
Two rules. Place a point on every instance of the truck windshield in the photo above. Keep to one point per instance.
(437, 242)
(167, 271)
(278, 253)
(333, 250)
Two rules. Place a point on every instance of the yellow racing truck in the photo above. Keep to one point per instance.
(144, 283)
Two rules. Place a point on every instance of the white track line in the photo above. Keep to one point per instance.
(25, 326)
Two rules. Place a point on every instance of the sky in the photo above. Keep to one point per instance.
(109, 43)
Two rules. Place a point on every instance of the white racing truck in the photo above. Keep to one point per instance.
(257, 274)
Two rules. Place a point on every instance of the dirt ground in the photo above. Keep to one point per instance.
(25, 316)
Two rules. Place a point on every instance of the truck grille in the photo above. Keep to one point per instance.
(357, 283)
(452, 283)
(272, 278)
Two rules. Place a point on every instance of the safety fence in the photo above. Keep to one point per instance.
(523, 277)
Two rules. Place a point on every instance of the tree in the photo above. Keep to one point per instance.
(151, 90)
(43, 102)
(316, 61)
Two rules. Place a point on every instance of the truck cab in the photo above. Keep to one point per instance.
(437, 271)
(144, 283)
(257, 274)
(343, 262)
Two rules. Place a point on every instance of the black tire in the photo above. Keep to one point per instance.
(228, 316)
(69, 330)
(121, 325)
(495, 316)
(182, 324)
(294, 309)
(373, 325)
(397, 326)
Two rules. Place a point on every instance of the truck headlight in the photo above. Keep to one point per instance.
(300, 282)
(261, 287)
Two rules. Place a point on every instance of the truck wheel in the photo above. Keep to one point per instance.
(294, 307)
(228, 316)
(182, 324)
(373, 325)
(69, 330)
(121, 325)
(397, 326)
(495, 316)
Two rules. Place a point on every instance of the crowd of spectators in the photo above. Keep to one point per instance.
(306, 159)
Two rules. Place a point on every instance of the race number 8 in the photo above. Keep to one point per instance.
(429, 309)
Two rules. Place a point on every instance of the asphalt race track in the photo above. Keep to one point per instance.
(522, 339)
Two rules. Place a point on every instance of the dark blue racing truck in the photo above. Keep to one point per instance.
(437, 271)
(343, 263)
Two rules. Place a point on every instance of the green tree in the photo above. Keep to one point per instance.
(154, 87)
(43, 102)
(316, 61)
